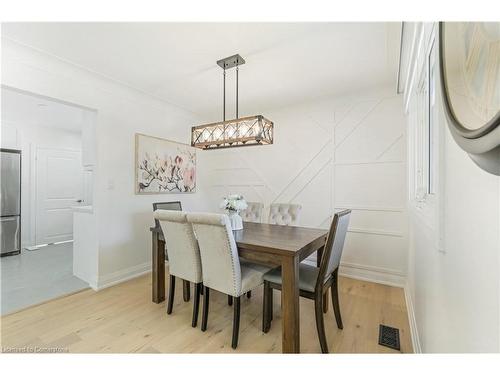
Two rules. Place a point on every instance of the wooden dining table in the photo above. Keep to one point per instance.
(267, 244)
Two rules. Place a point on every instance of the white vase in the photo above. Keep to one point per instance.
(235, 220)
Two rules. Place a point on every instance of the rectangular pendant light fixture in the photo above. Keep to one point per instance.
(245, 131)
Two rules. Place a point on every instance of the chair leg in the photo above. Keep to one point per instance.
(204, 317)
(335, 300)
(236, 322)
(171, 292)
(265, 309)
(230, 300)
(186, 290)
(320, 324)
(325, 302)
(249, 294)
(196, 304)
(270, 296)
(267, 314)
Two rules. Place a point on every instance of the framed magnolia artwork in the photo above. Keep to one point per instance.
(163, 166)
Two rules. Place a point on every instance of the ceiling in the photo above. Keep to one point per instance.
(286, 63)
(26, 109)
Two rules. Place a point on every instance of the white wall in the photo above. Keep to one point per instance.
(29, 138)
(454, 268)
(333, 153)
(122, 218)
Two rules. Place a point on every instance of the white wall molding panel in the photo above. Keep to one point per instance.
(336, 153)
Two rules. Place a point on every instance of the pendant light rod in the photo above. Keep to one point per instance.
(237, 70)
(228, 63)
(224, 97)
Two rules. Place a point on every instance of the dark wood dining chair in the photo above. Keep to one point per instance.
(313, 281)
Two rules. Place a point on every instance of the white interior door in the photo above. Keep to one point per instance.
(59, 186)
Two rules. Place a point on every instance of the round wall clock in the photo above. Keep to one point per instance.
(470, 79)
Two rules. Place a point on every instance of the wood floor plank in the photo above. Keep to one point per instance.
(122, 319)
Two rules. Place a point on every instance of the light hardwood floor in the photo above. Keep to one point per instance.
(122, 319)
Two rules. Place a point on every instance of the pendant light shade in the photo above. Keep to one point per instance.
(245, 131)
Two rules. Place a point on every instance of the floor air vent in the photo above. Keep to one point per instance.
(388, 336)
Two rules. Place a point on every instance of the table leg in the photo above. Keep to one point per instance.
(158, 257)
(319, 256)
(290, 305)
(186, 290)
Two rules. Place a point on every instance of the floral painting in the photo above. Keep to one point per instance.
(163, 166)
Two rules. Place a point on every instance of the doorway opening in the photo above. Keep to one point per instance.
(55, 141)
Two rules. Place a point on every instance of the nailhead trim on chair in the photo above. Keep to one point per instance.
(232, 261)
(224, 223)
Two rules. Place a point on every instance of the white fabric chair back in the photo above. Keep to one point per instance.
(219, 254)
(284, 213)
(183, 252)
(253, 213)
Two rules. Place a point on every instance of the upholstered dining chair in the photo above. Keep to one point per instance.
(314, 282)
(184, 261)
(284, 213)
(253, 213)
(222, 269)
(172, 206)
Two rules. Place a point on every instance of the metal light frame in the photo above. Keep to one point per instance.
(246, 131)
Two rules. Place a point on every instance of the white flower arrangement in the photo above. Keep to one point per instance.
(234, 203)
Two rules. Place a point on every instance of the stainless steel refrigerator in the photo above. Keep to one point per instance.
(10, 202)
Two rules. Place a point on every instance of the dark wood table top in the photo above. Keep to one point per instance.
(279, 239)
(275, 239)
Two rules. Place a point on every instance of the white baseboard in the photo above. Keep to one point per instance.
(373, 274)
(123, 275)
(92, 281)
(415, 340)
